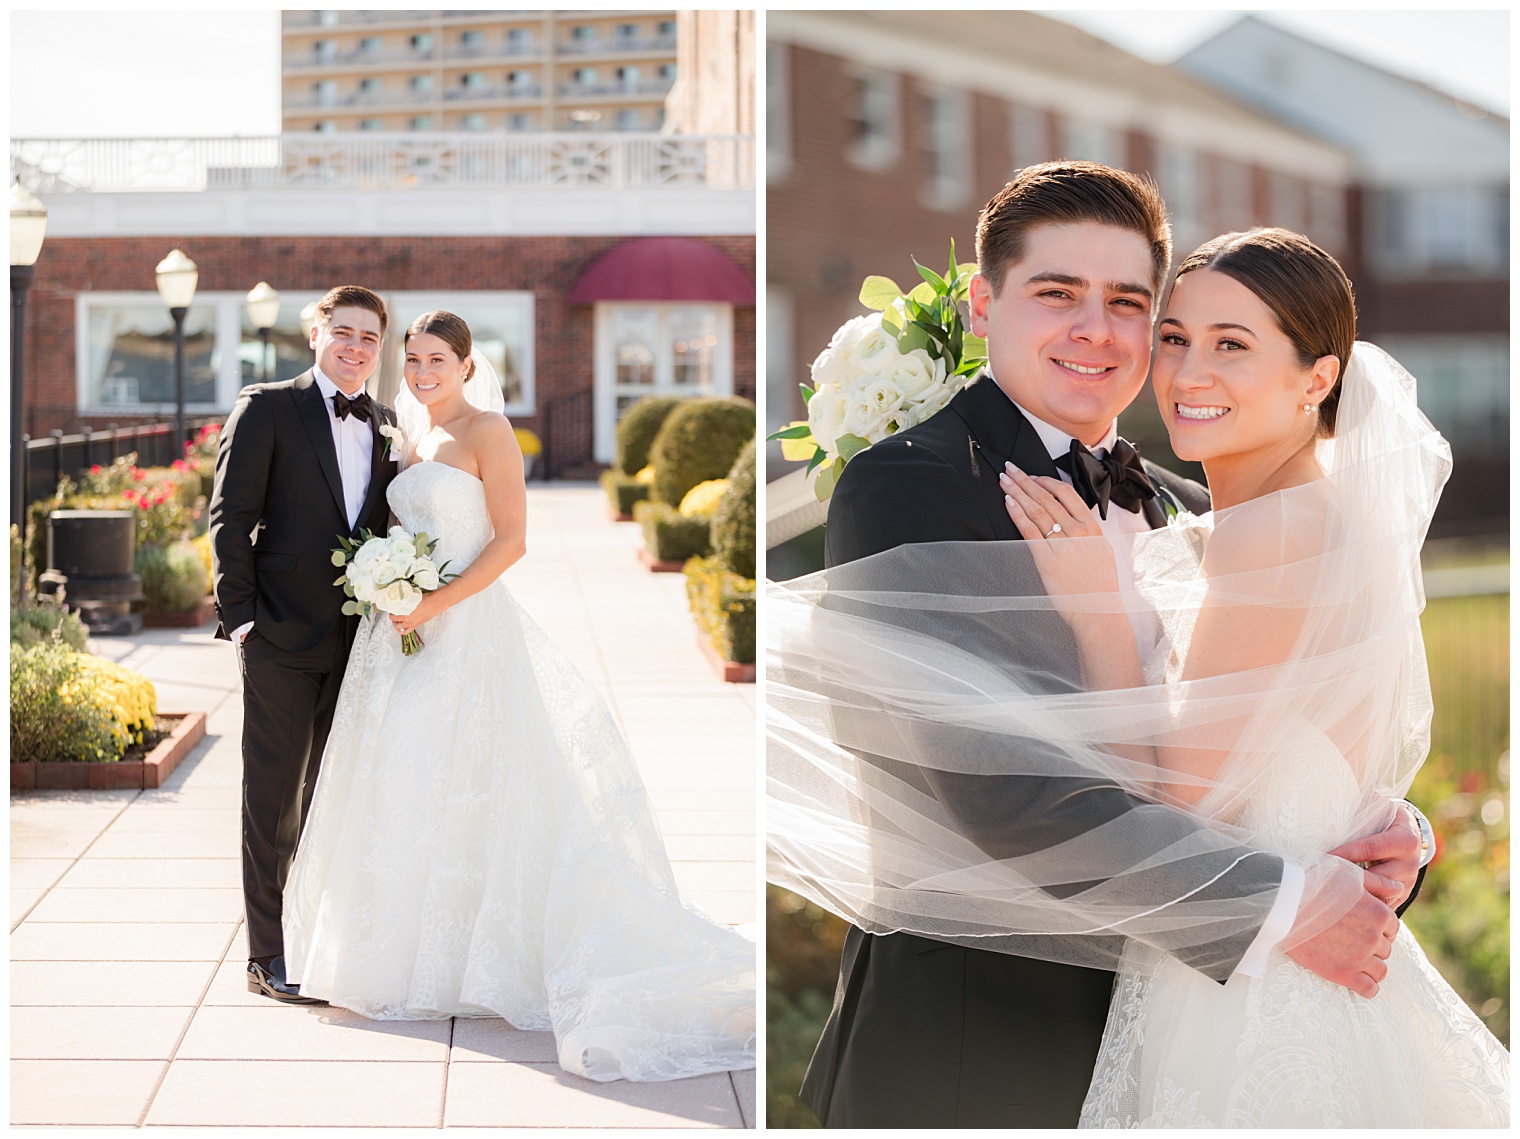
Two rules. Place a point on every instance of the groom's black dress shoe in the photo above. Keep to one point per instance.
(268, 977)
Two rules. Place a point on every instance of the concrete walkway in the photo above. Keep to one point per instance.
(127, 948)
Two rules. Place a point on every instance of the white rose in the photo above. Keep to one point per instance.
(915, 372)
(933, 401)
(884, 396)
(826, 417)
(366, 591)
(384, 572)
(830, 369)
(398, 597)
(403, 552)
(424, 575)
(371, 554)
(876, 352)
(847, 336)
(861, 418)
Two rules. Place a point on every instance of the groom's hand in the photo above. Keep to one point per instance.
(1392, 854)
(1354, 951)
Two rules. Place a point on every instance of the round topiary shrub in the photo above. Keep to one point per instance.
(699, 441)
(637, 429)
(733, 526)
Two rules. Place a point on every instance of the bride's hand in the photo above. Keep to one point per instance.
(428, 608)
(1046, 511)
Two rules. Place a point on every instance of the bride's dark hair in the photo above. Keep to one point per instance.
(1306, 289)
(451, 329)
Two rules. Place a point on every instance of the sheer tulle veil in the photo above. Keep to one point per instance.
(912, 696)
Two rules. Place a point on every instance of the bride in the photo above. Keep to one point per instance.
(479, 842)
(1261, 666)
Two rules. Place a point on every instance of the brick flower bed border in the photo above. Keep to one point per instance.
(203, 614)
(655, 565)
(730, 672)
(148, 772)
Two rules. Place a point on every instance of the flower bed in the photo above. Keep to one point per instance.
(145, 765)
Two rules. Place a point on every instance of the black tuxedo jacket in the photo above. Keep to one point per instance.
(277, 513)
(924, 1033)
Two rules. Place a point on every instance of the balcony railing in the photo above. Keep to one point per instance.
(611, 44)
(362, 57)
(501, 91)
(397, 98)
(373, 160)
(616, 87)
(339, 19)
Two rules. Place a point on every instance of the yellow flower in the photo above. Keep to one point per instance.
(529, 442)
(645, 476)
(702, 499)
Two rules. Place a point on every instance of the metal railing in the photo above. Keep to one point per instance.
(616, 87)
(566, 434)
(612, 44)
(341, 19)
(375, 160)
(50, 458)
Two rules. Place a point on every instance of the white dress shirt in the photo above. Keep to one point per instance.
(1147, 632)
(354, 441)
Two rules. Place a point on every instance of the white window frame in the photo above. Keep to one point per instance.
(405, 306)
(1093, 142)
(1028, 136)
(947, 132)
(604, 367)
(881, 110)
(778, 111)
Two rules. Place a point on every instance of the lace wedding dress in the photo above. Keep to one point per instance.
(1291, 1049)
(480, 844)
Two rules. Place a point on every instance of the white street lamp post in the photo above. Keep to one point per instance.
(28, 225)
(177, 276)
(263, 310)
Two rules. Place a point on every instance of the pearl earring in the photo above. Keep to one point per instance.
(1308, 409)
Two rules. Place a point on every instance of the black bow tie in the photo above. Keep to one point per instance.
(1117, 477)
(360, 407)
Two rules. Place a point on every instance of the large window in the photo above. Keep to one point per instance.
(1463, 386)
(657, 349)
(874, 112)
(778, 120)
(1029, 136)
(946, 134)
(501, 325)
(1182, 189)
(1443, 228)
(1092, 142)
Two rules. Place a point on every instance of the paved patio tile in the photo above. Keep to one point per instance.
(212, 1093)
(518, 1095)
(95, 1032)
(309, 1032)
(140, 904)
(37, 871)
(482, 1039)
(194, 844)
(92, 872)
(744, 1088)
(95, 983)
(177, 819)
(50, 1092)
(120, 941)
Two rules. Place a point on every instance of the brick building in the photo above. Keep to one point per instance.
(499, 230)
(887, 132)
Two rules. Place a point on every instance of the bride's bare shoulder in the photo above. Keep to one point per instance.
(1281, 528)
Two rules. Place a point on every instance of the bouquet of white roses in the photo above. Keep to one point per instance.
(388, 574)
(884, 372)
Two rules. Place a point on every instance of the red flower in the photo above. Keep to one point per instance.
(180, 464)
(137, 474)
(95, 470)
(1471, 781)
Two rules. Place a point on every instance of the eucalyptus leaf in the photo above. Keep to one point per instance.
(828, 478)
(338, 559)
(924, 293)
(891, 322)
(879, 292)
(342, 580)
(850, 445)
(913, 337)
(973, 345)
(798, 450)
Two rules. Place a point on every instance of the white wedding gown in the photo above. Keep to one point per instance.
(1291, 1049)
(480, 844)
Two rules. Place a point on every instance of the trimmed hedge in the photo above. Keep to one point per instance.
(723, 605)
(623, 491)
(669, 535)
(637, 430)
(733, 524)
(699, 441)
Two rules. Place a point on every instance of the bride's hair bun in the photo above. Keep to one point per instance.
(449, 328)
(1306, 289)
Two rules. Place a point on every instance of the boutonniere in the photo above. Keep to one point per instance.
(1169, 504)
(396, 440)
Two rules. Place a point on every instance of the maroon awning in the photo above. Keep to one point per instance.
(664, 269)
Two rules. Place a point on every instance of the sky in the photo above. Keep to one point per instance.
(187, 73)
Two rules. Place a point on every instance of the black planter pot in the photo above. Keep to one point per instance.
(90, 555)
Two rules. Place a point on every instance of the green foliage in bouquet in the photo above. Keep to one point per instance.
(637, 429)
(723, 606)
(698, 441)
(926, 317)
(733, 524)
(173, 577)
(671, 536)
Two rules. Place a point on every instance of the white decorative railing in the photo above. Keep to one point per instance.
(385, 161)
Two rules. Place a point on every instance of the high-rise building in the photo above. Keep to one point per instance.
(476, 71)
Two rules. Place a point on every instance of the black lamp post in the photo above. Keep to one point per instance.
(28, 225)
(176, 285)
(263, 305)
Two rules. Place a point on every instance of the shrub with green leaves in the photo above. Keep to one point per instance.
(173, 577)
(45, 621)
(623, 491)
(49, 719)
(723, 606)
(669, 535)
(699, 441)
(637, 430)
(733, 526)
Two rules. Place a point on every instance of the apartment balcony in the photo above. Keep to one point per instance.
(301, 21)
(494, 94)
(361, 59)
(642, 89)
(358, 99)
(617, 45)
(499, 50)
(374, 160)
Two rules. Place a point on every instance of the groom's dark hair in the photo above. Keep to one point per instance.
(351, 296)
(1070, 193)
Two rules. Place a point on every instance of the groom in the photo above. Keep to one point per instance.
(1072, 257)
(301, 463)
